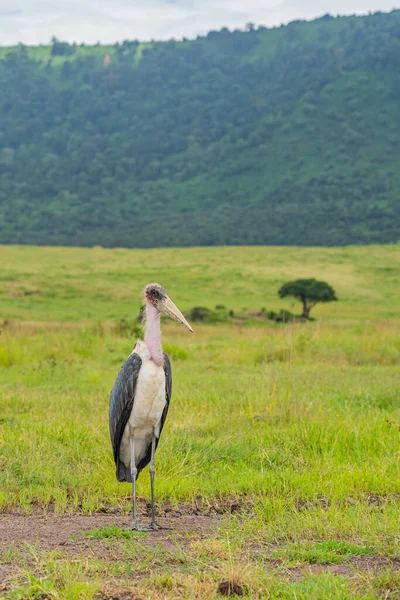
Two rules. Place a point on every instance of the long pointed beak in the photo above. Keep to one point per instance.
(169, 308)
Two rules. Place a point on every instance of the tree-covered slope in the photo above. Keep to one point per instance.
(282, 136)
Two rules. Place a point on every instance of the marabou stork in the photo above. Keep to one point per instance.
(140, 398)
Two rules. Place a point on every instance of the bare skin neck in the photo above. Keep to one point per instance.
(152, 335)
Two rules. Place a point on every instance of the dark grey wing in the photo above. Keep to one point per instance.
(168, 393)
(168, 389)
(121, 403)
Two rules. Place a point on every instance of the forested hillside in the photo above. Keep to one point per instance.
(266, 136)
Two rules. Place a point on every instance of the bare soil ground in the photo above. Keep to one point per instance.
(357, 564)
(67, 533)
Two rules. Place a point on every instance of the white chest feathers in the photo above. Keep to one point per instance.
(149, 397)
(148, 406)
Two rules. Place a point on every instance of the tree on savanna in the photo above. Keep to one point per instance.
(309, 292)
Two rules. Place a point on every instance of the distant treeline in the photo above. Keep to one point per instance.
(283, 136)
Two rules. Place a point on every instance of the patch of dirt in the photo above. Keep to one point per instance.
(4, 574)
(182, 524)
(66, 533)
(53, 532)
(325, 503)
(200, 506)
(351, 567)
(113, 593)
(319, 502)
(231, 588)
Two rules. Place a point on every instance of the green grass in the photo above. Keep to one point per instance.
(105, 533)
(71, 284)
(59, 581)
(188, 576)
(298, 424)
(326, 552)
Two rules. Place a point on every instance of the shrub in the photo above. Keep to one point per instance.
(285, 316)
(128, 328)
(205, 315)
(200, 313)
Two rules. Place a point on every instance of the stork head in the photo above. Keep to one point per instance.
(155, 295)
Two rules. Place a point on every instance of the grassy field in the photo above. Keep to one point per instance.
(279, 466)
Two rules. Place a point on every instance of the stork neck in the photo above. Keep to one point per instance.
(152, 336)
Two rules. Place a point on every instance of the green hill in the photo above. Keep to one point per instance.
(284, 136)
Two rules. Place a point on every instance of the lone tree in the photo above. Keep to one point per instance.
(309, 292)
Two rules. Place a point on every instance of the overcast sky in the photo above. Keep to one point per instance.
(36, 21)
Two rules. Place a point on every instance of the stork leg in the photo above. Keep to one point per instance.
(153, 523)
(135, 524)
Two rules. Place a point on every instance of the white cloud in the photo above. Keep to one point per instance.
(36, 21)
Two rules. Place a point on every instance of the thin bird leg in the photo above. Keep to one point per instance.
(153, 523)
(135, 524)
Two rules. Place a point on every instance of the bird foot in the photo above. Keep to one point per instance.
(136, 527)
(152, 526)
